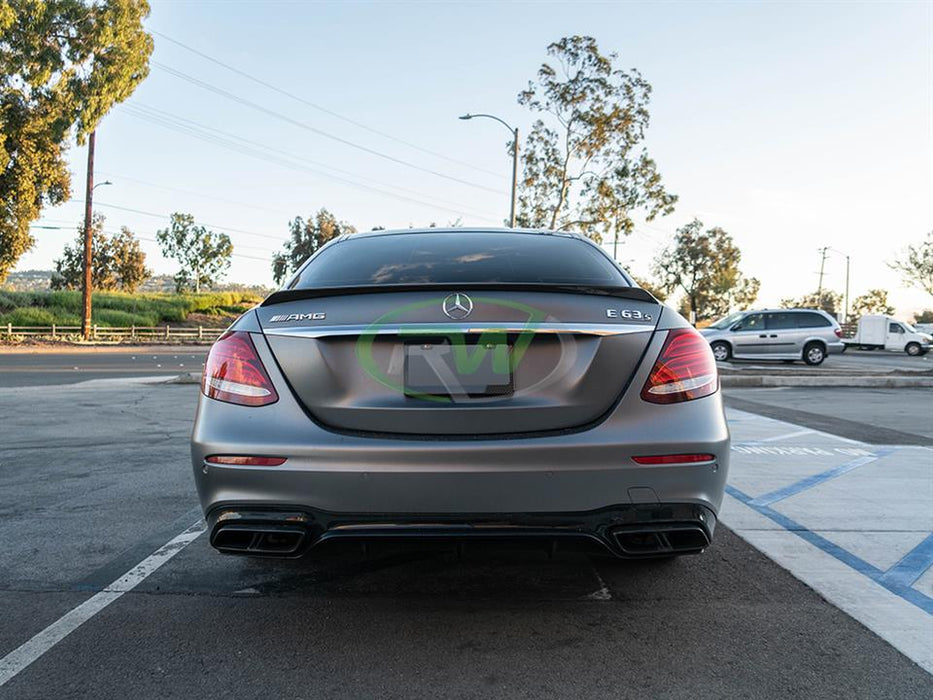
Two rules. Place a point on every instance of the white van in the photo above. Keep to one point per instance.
(876, 332)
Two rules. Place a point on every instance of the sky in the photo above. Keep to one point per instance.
(791, 125)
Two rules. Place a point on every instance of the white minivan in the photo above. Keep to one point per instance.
(775, 334)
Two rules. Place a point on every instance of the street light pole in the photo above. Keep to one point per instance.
(514, 132)
(848, 261)
(514, 176)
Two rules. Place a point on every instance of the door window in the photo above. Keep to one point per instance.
(895, 328)
(752, 322)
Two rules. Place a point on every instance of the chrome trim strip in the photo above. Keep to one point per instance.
(595, 329)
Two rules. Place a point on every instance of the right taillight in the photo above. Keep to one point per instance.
(684, 370)
(235, 374)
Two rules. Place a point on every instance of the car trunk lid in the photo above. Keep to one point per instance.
(482, 360)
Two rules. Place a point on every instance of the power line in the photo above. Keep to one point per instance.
(127, 178)
(111, 232)
(284, 159)
(166, 216)
(329, 112)
(278, 115)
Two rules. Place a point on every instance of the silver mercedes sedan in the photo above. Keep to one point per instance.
(461, 385)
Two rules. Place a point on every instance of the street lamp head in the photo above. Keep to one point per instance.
(467, 116)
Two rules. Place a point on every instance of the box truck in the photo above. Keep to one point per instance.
(877, 332)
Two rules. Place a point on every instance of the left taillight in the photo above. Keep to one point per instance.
(235, 374)
(685, 369)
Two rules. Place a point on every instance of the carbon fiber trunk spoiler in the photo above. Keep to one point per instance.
(286, 295)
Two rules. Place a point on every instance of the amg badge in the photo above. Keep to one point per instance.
(316, 316)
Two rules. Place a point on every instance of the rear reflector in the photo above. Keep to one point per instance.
(245, 460)
(684, 370)
(234, 373)
(673, 459)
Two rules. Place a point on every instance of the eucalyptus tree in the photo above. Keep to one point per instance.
(585, 165)
(63, 65)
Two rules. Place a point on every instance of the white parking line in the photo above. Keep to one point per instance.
(21, 657)
(788, 436)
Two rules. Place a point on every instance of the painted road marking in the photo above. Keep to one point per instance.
(894, 584)
(797, 433)
(817, 479)
(883, 596)
(755, 448)
(912, 565)
(18, 659)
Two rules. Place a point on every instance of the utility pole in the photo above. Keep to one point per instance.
(819, 291)
(88, 239)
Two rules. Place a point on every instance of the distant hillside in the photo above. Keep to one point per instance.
(38, 281)
(44, 308)
(28, 281)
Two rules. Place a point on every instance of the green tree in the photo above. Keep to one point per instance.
(925, 316)
(63, 65)
(584, 163)
(305, 238)
(69, 269)
(916, 265)
(827, 300)
(204, 255)
(128, 260)
(118, 261)
(704, 265)
(874, 301)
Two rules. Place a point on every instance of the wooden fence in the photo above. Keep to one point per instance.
(166, 332)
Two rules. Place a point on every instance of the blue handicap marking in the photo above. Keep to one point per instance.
(817, 479)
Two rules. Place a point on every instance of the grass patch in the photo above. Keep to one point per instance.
(118, 308)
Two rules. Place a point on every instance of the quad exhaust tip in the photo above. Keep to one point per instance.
(271, 541)
(659, 541)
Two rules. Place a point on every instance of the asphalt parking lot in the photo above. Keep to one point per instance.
(95, 482)
(42, 366)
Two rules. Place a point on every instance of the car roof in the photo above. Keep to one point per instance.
(761, 311)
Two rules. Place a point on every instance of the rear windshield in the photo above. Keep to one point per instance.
(457, 258)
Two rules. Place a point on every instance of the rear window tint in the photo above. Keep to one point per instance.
(454, 258)
(781, 321)
(812, 320)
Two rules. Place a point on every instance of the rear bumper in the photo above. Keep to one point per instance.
(835, 348)
(626, 531)
(508, 479)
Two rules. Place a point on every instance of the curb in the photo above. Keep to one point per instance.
(186, 378)
(875, 382)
